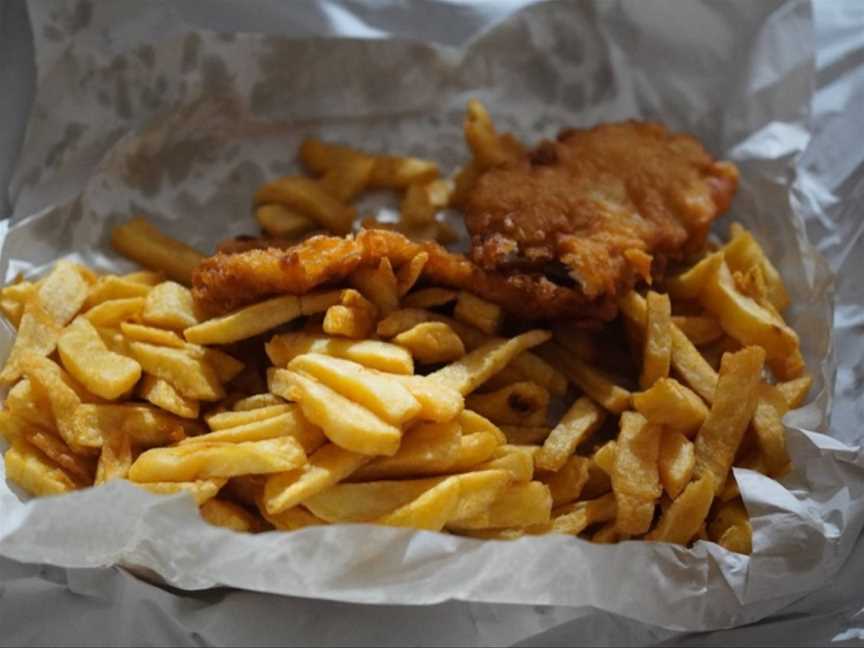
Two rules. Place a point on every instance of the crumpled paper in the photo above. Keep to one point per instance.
(183, 129)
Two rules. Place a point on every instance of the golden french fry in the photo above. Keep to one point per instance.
(345, 423)
(566, 484)
(523, 403)
(145, 277)
(26, 404)
(246, 322)
(478, 490)
(378, 393)
(113, 312)
(676, 462)
(87, 359)
(111, 288)
(292, 520)
(30, 469)
(468, 373)
(535, 369)
(52, 385)
(283, 222)
(163, 395)
(595, 383)
(599, 482)
(349, 178)
(517, 506)
(426, 449)
(474, 449)
(379, 285)
(115, 458)
(228, 515)
(608, 534)
(430, 511)
(15, 429)
(141, 241)
(574, 518)
(368, 501)
(409, 273)
(770, 433)
(329, 465)
(205, 460)
(730, 527)
(657, 356)
(170, 306)
(226, 366)
(699, 329)
(526, 434)
(318, 302)
(348, 321)
(12, 310)
(604, 457)
(14, 298)
(635, 476)
(309, 198)
(734, 403)
(320, 157)
(438, 402)
(402, 320)
(289, 423)
(370, 353)
(472, 422)
(256, 401)
(742, 252)
(190, 376)
(795, 391)
(223, 420)
(431, 342)
(578, 424)
(152, 335)
(488, 148)
(395, 172)
(146, 426)
(202, 489)
(423, 200)
(517, 460)
(57, 300)
(479, 313)
(681, 522)
(670, 403)
(429, 298)
(690, 284)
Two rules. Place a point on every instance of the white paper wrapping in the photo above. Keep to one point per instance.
(183, 125)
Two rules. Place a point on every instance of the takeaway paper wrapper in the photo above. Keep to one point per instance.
(182, 125)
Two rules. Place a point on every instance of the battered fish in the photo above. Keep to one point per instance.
(602, 207)
(229, 280)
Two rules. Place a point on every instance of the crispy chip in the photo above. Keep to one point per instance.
(431, 342)
(429, 298)
(112, 287)
(566, 484)
(518, 505)
(289, 423)
(116, 456)
(581, 420)
(699, 329)
(283, 222)
(152, 335)
(595, 383)
(409, 273)
(635, 476)
(770, 431)
(190, 376)
(477, 312)
(371, 353)
(246, 322)
(310, 199)
(676, 462)
(378, 285)
(426, 449)
(162, 394)
(228, 515)
(367, 501)
(522, 403)
(202, 489)
(670, 403)
(657, 356)
(31, 470)
(139, 240)
(685, 516)
(170, 306)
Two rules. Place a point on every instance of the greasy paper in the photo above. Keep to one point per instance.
(184, 128)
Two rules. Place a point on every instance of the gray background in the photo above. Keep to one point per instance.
(40, 605)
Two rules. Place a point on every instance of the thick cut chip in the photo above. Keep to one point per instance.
(170, 306)
(256, 401)
(368, 501)
(744, 252)
(163, 395)
(737, 394)
(795, 391)
(85, 356)
(426, 449)
(681, 522)
(431, 342)
(635, 475)
(371, 353)
(246, 322)
(474, 449)
(599, 482)
(534, 369)
(14, 429)
(472, 422)
(430, 511)
(31, 470)
(52, 385)
(422, 201)
(329, 465)
(699, 329)
(478, 490)
(223, 420)
(113, 312)
(526, 434)
(202, 489)
(438, 402)
(379, 285)
(345, 423)
(479, 313)
(517, 460)
(318, 302)
(349, 321)
(574, 518)
(226, 366)
(522, 403)
(691, 284)
(410, 272)
(488, 148)
(468, 373)
(429, 298)
(608, 534)
(657, 355)
(676, 462)
(595, 383)
(27, 405)
(770, 431)
(670, 403)
(578, 424)
(346, 171)
(290, 423)
(293, 519)
(309, 198)
(396, 172)
(152, 335)
(604, 457)
(111, 287)
(384, 396)
(205, 460)
(146, 426)
(115, 458)
(745, 320)
(140, 241)
(730, 527)
(57, 300)
(145, 277)
(518, 505)
(192, 377)
(283, 222)
(229, 515)
(566, 484)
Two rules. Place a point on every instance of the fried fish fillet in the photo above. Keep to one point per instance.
(228, 280)
(601, 207)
